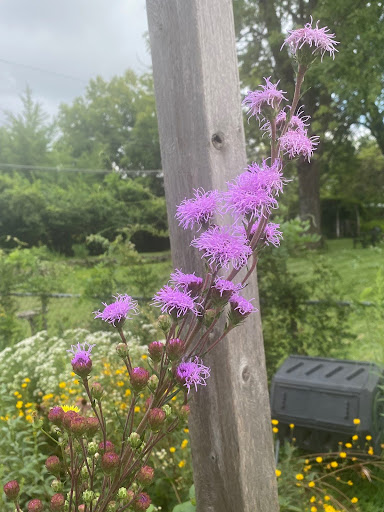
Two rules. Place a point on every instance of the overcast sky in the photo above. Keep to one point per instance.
(76, 38)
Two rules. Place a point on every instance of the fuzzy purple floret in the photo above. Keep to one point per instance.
(296, 143)
(243, 306)
(175, 300)
(223, 286)
(255, 189)
(272, 234)
(121, 309)
(224, 245)
(193, 373)
(81, 353)
(182, 280)
(299, 121)
(318, 38)
(198, 210)
(268, 95)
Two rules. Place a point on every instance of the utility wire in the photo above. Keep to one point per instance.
(58, 168)
(56, 73)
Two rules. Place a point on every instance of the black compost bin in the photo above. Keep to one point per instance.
(322, 397)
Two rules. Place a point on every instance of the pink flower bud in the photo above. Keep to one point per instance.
(35, 506)
(55, 416)
(97, 390)
(57, 503)
(175, 349)
(155, 350)
(53, 465)
(141, 503)
(110, 462)
(156, 418)
(184, 412)
(68, 417)
(145, 475)
(78, 426)
(108, 447)
(92, 426)
(139, 378)
(12, 490)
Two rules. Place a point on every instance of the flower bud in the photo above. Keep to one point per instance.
(81, 508)
(84, 473)
(122, 494)
(184, 412)
(139, 378)
(93, 426)
(156, 418)
(110, 462)
(108, 447)
(57, 486)
(141, 503)
(167, 409)
(164, 322)
(78, 426)
(155, 350)
(134, 440)
(111, 507)
(97, 390)
(82, 365)
(53, 465)
(55, 416)
(68, 417)
(35, 506)
(153, 382)
(145, 475)
(88, 496)
(12, 490)
(175, 349)
(92, 448)
(122, 350)
(57, 503)
(209, 316)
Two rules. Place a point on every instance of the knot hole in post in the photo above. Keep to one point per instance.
(218, 140)
(245, 374)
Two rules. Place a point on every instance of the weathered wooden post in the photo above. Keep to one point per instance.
(202, 145)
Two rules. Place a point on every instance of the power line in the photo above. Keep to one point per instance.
(41, 70)
(76, 169)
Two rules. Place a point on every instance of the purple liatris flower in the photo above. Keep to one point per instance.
(268, 96)
(175, 301)
(272, 235)
(299, 122)
(117, 312)
(81, 362)
(198, 210)
(318, 38)
(224, 245)
(225, 288)
(255, 189)
(192, 373)
(187, 282)
(296, 143)
(241, 306)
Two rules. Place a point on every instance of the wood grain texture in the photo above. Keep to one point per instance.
(202, 145)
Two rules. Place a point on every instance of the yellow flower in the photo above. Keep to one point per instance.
(75, 381)
(27, 379)
(313, 509)
(356, 421)
(319, 459)
(67, 408)
(299, 476)
(16, 393)
(63, 397)
(370, 451)
(72, 391)
(292, 425)
(275, 422)
(19, 404)
(368, 438)
(326, 498)
(127, 392)
(174, 398)
(120, 383)
(275, 430)
(184, 444)
(342, 455)
(355, 437)
(182, 463)
(119, 372)
(172, 449)
(73, 374)
(277, 472)
(186, 430)
(29, 418)
(311, 484)
(313, 499)
(28, 405)
(354, 500)
(348, 445)
(24, 385)
(141, 395)
(62, 385)
(144, 356)
(21, 413)
(334, 464)
(48, 396)
(350, 482)
(137, 408)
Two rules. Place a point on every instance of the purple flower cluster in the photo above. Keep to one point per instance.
(186, 281)
(192, 373)
(199, 210)
(268, 96)
(176, 301)
(117, 311)
(81, 362)
(224, 245)
(272, 235)
(296, 142)
(318, 38)
(224, 287)
(242, 305)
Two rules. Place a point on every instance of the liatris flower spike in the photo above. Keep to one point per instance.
(265, 102)
(199, 210)
(117, 312)
(81, 362)
(192, 373)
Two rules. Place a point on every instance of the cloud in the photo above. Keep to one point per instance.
(74, 39)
